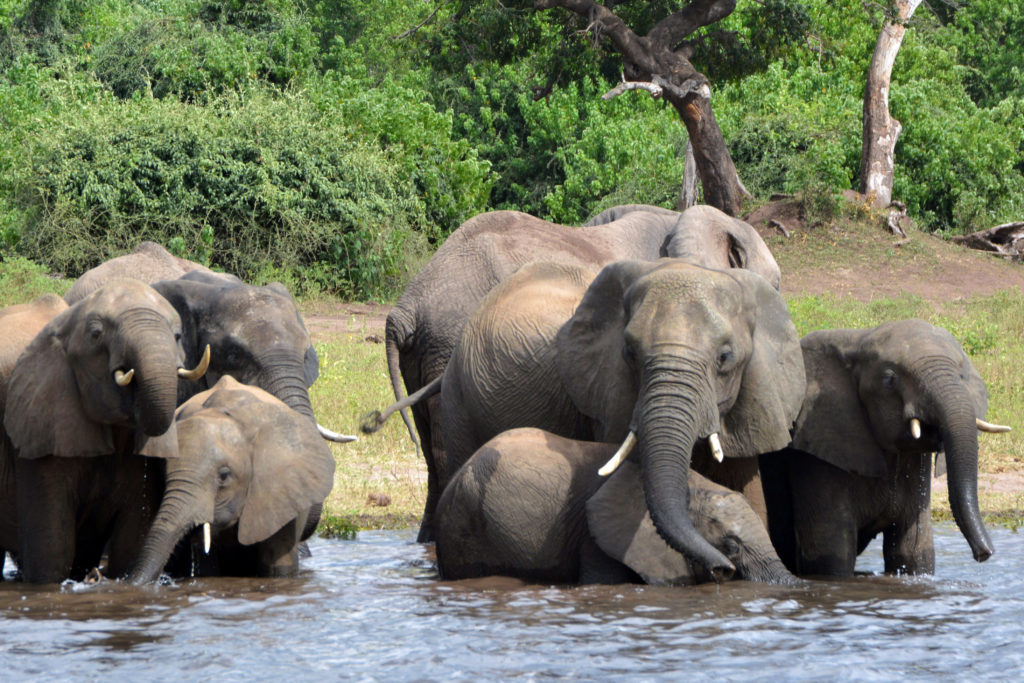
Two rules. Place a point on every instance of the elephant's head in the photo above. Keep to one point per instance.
(715, 239)
(621, 526)
(904, 387)
(107, 364)
(255, 334)
(679, 355)
(245, 460)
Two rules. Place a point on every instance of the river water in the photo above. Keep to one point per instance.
(373, 609)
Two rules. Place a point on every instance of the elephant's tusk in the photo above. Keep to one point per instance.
(198, 371)
(619, 456)
(915, 428)
(334, 436)
(991, 428)
(716, 447)
(206, 538)
(123, 378)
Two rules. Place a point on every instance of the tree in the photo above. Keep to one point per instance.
(881, 130)
(653, 63)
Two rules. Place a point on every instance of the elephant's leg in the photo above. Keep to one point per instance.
(140, 488)
(428, 424)
(279, 555)
(778, 496)
(824, 519)
(46, 519)
(907, 545)
(597, 567)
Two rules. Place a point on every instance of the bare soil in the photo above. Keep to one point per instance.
(815, 260)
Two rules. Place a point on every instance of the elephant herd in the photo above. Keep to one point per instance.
(630, 401)
(624, 401)
(166, 426)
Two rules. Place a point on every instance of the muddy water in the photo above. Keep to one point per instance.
(372, 609)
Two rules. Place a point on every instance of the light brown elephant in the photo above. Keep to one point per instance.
(148, 263)
(249, 469)
(666, 357)
(423, 327)
(533, 505)
(95, 388)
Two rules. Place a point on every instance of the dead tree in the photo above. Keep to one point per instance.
(881, 130)
(654, 63)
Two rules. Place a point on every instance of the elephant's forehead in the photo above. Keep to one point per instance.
(689, 292)
(268, 315)
(210, 428)
(121, 295)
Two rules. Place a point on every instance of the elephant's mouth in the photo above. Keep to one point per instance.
(922, 438)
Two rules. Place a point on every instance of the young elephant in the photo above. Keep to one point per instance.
(531, 504)
(250, 469)
(879, 402)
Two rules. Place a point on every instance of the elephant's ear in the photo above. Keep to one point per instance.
(292, 470)
(190, 298)
(311, 366)
(162, 446)
(590, 360)
(44, 414)
(833, 425)
(620, 524)
(773, 383)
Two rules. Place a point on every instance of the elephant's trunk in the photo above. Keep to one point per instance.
(153, 355)
(182, 509)
(676, 405)
(283, 377)
(958, 430)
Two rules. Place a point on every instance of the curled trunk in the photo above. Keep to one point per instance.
(155, 378)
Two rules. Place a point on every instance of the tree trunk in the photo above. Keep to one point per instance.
(880, 129)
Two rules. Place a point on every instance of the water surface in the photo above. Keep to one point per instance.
(373, 609)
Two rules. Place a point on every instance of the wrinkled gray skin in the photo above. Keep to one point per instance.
(854, 469)
(253, 469)
(424, 326)
(73, 435)
(148, 263)
(255, 334)
(532, 505)
(671, 351)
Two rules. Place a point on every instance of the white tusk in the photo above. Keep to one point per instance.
(334, 436)
(991, 428)
(619, 456)
(196, 373)
(206, 538)
(915, 428)
(123, 378)
(716, 447)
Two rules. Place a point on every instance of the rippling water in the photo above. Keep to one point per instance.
(372, 609)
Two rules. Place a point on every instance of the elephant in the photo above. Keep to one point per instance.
(251, 468)
(148, 263)
(676, 361)
(879, 402)
(92, 391)
(423, 327)
(532, 505)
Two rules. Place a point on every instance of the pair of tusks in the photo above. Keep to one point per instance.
(915, 427)
(123, 378)
(627, 446)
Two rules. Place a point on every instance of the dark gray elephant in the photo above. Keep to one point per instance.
(682, 360)
(879, 403)
(148, 263)
(532, 505)
(94, 389)
(422, 329)
(250, 469)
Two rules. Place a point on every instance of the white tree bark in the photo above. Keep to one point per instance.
(880, 129)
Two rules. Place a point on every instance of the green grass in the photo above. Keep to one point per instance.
(22, 280)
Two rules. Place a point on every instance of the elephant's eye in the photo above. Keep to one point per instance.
(95, 330)
(888, 378)
(726, 359)
(223, 475)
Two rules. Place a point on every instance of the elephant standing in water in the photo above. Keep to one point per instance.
(422, 329)
(250, 469)
(93, 390)
(879, 402)
(677, 359)
(532, 505)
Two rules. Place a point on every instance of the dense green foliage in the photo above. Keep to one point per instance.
(332, 144)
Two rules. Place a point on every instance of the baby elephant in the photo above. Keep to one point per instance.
(532, 505)
(248, 472)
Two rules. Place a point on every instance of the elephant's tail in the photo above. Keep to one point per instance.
(393, 336)
(373, 421)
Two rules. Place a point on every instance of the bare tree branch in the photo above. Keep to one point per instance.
(625, 86)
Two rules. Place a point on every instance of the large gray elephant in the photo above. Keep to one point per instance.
(94, 389)
(422, 329)
(676, 357)
(879, 403)
(251, 468)
(148, 263)
(532, 505)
